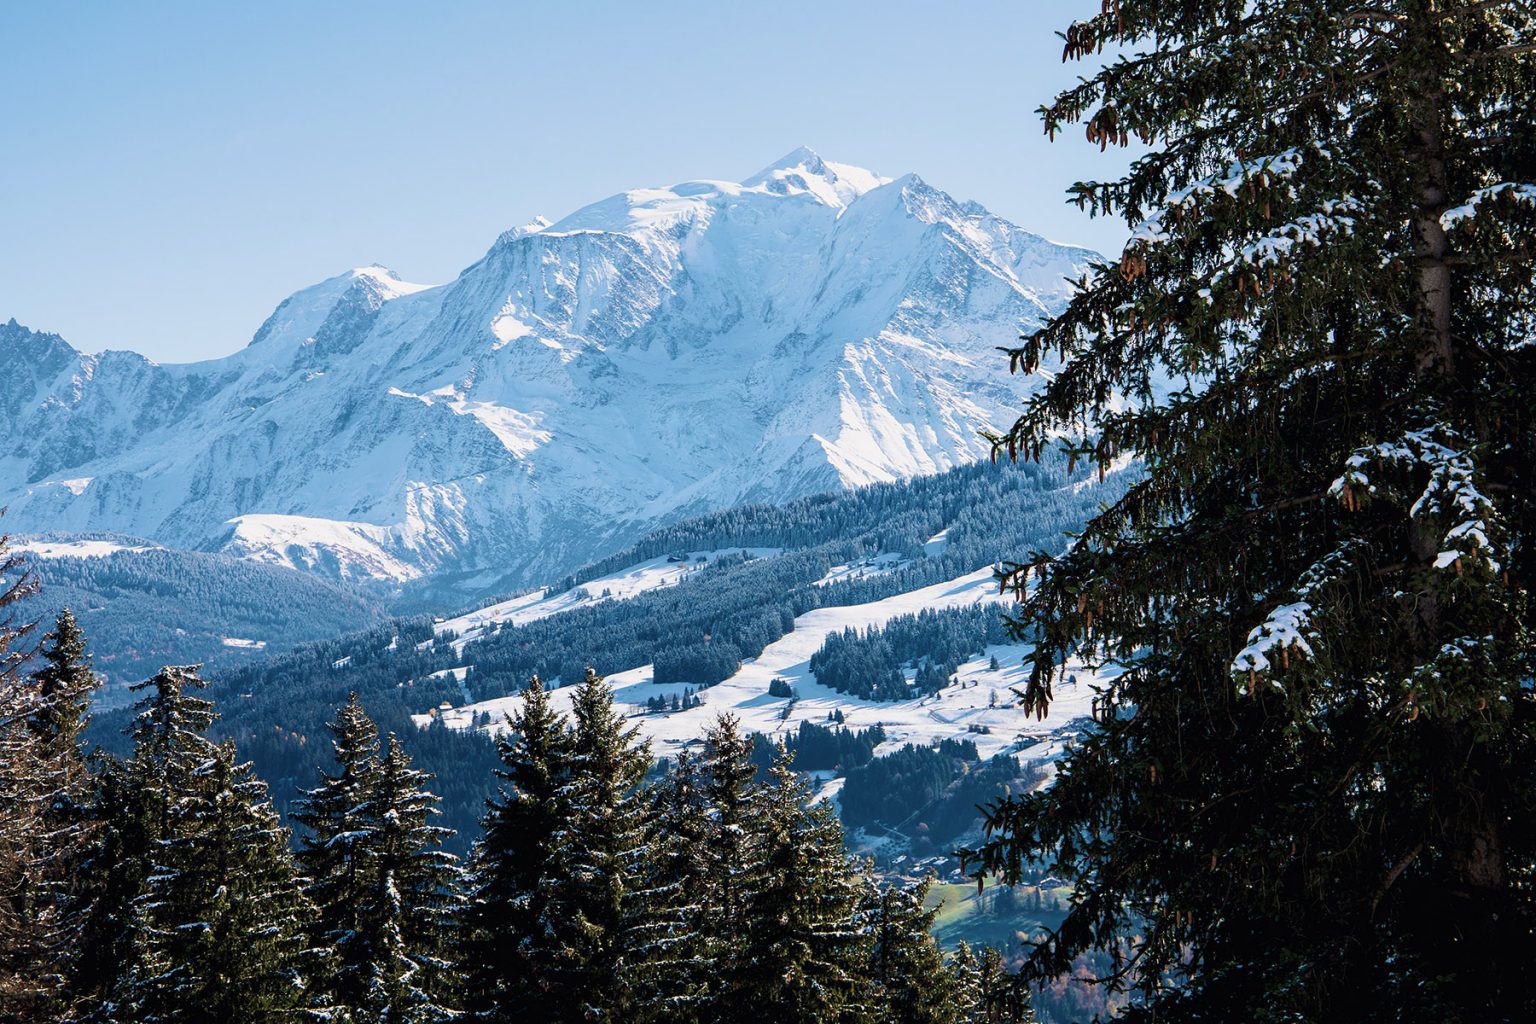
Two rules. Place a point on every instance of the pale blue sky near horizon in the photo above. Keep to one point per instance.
(174, 170)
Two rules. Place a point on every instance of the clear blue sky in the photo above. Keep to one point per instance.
(173, 170)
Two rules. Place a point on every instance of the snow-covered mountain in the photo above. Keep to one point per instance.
(660, 353)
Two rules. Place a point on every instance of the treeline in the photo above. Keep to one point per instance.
(820, 748)
(162, 887)
(897, 517)
(869, 663)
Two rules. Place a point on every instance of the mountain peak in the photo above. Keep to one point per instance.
(803, 170)
(564, 394)
(801, 157)
(301, 314)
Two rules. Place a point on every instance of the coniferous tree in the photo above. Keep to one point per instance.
(999, 998)
(406, 908)
(46, 776)
(965, 969)
(1310, 790)
(910, 982)
(219, 922)
(729, 852)
(505, 901)
(333, 859)
(117, 863)
(594, 920)
(23, 803)
(802, 957)
(676, 971)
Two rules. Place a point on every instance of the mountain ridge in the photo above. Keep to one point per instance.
(660, 353)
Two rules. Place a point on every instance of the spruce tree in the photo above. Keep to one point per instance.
(910, 982)
(117, 863)
(731, 792)
(219, 936)
(406, 909)
(965, 969)
(335, 816)
(729, 851)
(223, 907)
(803, 957)
(1309, 792)
(594, 922)
(504, 901)
(999, 997)
(46, 774)
(676, 971)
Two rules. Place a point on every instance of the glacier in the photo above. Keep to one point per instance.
(658, 354)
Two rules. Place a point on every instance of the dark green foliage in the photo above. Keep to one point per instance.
(117, 864)
(332, 855)
(910, 981)
(217, 928)
(381, 888)
(731, 795)
(587, 946)
(1310, 793)
(280, 722)
(707, 663)
(800, 959)
(504, 902)
(868, 663)
(672, 978)
(56, 900)
(45, 831)
(818, 748)
(935, 795)
(406, 913)
(862, 663)
(894, 788)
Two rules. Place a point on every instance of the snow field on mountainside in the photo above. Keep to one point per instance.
(981, 699)
(72, 548)
(657, 354)
(664, 571)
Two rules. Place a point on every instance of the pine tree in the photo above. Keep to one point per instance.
(911, 983)
(802, 957)
(117, 863)
(1310, 790)
(504, 901)
(45, 777)
(595, 919)
(676, 971)
(333, 859)
(25, 946)
(966, 972)
(406, 910)
(219, 936)
(999, 999)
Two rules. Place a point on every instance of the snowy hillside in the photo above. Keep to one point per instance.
(660, 353)
(979, 707)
